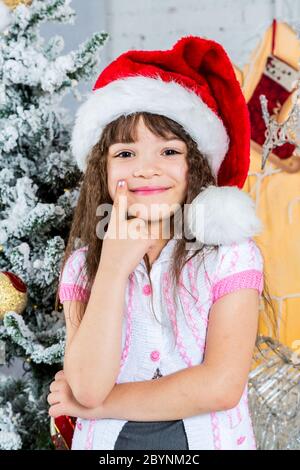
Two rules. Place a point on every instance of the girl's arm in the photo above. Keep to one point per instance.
(93, 350)
(216, 384)
(93, 355)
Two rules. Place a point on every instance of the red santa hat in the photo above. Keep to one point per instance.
(195, 85)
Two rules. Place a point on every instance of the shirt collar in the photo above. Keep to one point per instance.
(165, 255)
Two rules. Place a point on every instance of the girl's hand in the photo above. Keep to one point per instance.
(126, 252)
(63, 402)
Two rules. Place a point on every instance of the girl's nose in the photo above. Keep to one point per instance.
(147, 172)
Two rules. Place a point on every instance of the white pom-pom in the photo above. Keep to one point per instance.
(5, 18)
(221, 215)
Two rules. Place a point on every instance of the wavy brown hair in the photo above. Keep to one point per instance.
(94, 191)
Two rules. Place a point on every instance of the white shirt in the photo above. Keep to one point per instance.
(148, 346)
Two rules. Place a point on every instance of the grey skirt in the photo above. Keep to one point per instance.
(152, 435)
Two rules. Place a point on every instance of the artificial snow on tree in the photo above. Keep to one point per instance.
(39, 187)
(4, 16)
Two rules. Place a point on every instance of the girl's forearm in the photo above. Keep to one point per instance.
(185, 393)
(92, 361)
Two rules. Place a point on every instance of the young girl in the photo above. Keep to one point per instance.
(161, 323)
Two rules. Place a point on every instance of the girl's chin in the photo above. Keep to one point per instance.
(147, 219)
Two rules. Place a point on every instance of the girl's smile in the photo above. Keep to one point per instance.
(148, 191)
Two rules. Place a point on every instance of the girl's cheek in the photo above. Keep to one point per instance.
(116, 171)
(180, 176)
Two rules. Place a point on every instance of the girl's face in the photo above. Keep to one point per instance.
(150, 161)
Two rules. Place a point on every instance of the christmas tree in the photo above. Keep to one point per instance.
(39, 186)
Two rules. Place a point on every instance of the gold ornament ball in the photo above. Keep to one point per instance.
(14, 3)
(13, 294)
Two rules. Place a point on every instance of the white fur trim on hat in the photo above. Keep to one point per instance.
(221, 215)
(140, 93)
(5, 16)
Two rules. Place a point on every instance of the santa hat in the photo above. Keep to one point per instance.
(195, 85)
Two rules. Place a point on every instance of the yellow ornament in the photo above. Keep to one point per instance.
(13, 294)
(14, 3)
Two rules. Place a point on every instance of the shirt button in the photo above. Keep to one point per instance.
(147, 289)
(155, 355)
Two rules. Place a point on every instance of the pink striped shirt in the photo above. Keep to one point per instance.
(148, 347)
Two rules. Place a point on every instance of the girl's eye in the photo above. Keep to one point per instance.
(127, 152)
(121, 153)
(171, 150)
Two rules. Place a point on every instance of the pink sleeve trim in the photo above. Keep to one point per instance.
(73, 292)
(251, 278)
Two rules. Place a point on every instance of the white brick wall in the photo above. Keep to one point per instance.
(158, 24)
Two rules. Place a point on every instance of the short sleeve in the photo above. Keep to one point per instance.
(239, 265)
(73, 278)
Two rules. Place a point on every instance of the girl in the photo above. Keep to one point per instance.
(161, 323)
